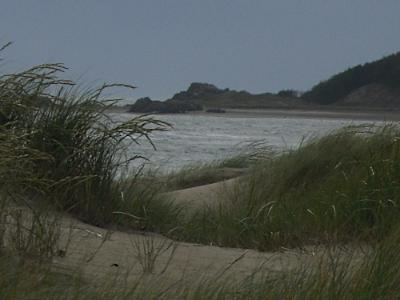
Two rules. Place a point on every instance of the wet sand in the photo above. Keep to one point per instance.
(339, 113)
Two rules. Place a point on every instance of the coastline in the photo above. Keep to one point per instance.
(314, 112)
(367, 115)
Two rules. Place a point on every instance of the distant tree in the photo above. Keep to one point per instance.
(385, 71)
(288, 93)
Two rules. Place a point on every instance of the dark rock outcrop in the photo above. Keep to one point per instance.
(146, 105)
(197, 90)
(206, 95)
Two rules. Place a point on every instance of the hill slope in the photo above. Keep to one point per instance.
(368, 86)
(374, 84)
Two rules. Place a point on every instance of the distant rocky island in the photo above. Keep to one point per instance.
(208, 97)
(374, 85)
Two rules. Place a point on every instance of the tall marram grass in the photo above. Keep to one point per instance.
(59, 144)
(333, 189)
(61, 151)
(88, 149)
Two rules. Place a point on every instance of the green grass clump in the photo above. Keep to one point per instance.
(88, 151)
(59, 145)
(332, 189)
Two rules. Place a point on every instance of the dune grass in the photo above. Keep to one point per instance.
(330, 190)
(87, 149)
(65, 147)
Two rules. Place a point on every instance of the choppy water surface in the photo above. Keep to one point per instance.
(199, 138)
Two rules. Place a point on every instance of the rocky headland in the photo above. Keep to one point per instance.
(205, 96)
(371, 86)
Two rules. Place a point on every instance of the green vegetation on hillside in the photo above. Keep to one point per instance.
(385, 71)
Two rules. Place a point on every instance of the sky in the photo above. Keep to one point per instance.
(161, 46)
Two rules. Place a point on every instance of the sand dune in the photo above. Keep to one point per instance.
(97, 252)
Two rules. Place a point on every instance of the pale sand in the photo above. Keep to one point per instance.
(205, 195)
(98, 253)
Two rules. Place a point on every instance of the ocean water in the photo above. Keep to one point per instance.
(206, 138)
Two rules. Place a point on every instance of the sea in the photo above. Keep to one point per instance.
(201, 139)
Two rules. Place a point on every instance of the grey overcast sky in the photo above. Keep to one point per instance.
(162, 46)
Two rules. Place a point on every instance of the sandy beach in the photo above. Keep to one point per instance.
(318, 113)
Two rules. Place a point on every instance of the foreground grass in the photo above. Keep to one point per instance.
(59, 146)
(330, 190)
